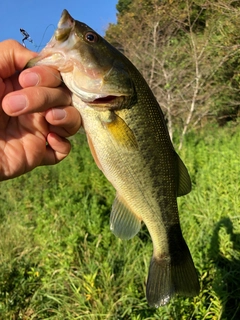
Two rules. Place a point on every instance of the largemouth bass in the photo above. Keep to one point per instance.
(130, 143)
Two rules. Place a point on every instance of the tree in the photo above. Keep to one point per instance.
(188, 52)
(123, 6)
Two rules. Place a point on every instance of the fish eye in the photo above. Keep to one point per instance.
(91, 37)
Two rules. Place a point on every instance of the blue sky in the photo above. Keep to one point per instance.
(40, 17)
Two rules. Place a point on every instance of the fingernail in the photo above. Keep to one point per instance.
(58, 114)
(16, 103)
(31, 79)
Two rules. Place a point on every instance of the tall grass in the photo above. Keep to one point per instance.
(59, 260)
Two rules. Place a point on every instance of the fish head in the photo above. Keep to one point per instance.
(90, 67)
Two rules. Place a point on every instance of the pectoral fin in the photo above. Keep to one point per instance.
(123, 223)
(120, 132)
(184, 181)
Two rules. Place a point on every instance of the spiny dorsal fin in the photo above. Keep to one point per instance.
(123, 223)
(184, 181)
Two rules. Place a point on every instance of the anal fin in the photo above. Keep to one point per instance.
(123, 223)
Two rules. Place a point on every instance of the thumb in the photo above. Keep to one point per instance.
(13, 57)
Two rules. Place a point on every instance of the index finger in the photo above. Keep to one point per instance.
(42, 76)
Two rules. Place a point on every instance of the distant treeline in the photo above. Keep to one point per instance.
(189, 53)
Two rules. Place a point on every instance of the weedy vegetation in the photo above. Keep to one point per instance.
(59, 259)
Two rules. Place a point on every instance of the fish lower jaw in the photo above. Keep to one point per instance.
(57, 61)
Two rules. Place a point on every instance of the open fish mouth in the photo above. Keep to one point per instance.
(107, 99)
(108, 102)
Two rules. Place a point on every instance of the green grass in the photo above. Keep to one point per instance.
(59, 260)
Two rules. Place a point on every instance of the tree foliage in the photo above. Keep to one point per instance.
(123, 6)
(188, 51)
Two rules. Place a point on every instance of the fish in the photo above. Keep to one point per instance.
(130, 143)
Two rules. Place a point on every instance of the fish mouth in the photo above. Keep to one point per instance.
(110, 102)
(103, 100)
(52, 60)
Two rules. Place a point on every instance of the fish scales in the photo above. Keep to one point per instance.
(130, 143)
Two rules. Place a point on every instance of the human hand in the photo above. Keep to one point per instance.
(35, 113)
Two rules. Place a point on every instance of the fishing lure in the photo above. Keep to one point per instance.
(26, 37)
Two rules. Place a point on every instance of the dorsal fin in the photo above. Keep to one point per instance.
(184, 182)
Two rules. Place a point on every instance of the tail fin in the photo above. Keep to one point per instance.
(171, 275)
